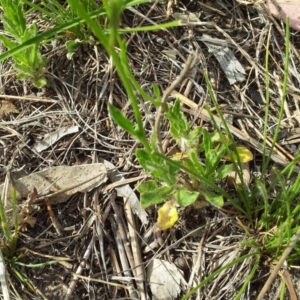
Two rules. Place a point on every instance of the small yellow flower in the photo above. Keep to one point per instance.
(244, 154)
(167, 215)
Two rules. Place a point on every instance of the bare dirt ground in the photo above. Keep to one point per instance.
(99, 235)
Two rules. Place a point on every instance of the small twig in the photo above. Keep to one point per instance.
(197, 265)
(79, 270)
(116, 228)
(286, 275)
(189, 62)
(56, 224)
(3, 279)
(136, 251)
(284, 256)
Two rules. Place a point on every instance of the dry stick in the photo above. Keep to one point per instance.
(136, 251)
(286, 275)
(100, 234)
(120, 221)
(190, 60)
(125, 266)
(29, 98)
(79, 269)
(199, 260)
(3, 279)
(284, 256)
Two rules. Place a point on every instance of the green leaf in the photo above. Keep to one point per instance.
(40, 83)
(206, 143)
(7, 42)
(195, 161)
(215, 157)
(14, 18)
(161, 170)
(151, 194)
(223, 171)
(213, 198)
(121, 120)
(193, 138)
(157, 94)
(184, 197)
(72, 47)
(179, 126)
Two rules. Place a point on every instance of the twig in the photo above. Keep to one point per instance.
(284, 256)
(136, 251)
(124, 262)
(3, 279)
(79, 269)
(286, 275)
(189, 62)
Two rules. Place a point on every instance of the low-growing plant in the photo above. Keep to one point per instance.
(29, 63)
(166, 185)
(174, 188)
(58, 14)
(194, 173)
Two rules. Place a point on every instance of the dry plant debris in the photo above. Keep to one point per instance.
(103, 248)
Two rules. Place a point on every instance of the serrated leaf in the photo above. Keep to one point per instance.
(184, 197)
(161, 170)
(152, 194)
(213, 198)
(196, 163)
(167, 215)
(193, 139)
(7, 42)
(224, 171)
(179, 126)
(206, 143)
(215, 157)
(121, 120)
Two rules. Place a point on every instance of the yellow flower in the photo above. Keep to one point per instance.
(167, 215)
(245, 155)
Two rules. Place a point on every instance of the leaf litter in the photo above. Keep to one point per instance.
(205, 238)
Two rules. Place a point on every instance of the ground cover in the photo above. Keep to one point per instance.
(66, 102)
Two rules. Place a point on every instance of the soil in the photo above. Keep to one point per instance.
(99, 237)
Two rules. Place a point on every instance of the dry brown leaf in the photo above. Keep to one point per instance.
(234, 179)
(286, 8)
(127, 192)
(6, 108)
(164, 279)
(53, 137)
(63, 180)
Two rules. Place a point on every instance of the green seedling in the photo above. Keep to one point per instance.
(28, 63)
(72, 47)
(9, 239)
(60, 14)
(201, 153)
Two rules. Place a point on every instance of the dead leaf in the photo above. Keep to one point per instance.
(6, 108)
(232, 68)
(127, 192)
(286, 8)
(164, 279)
(63, 180)
(53, 137)
(234, 179)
